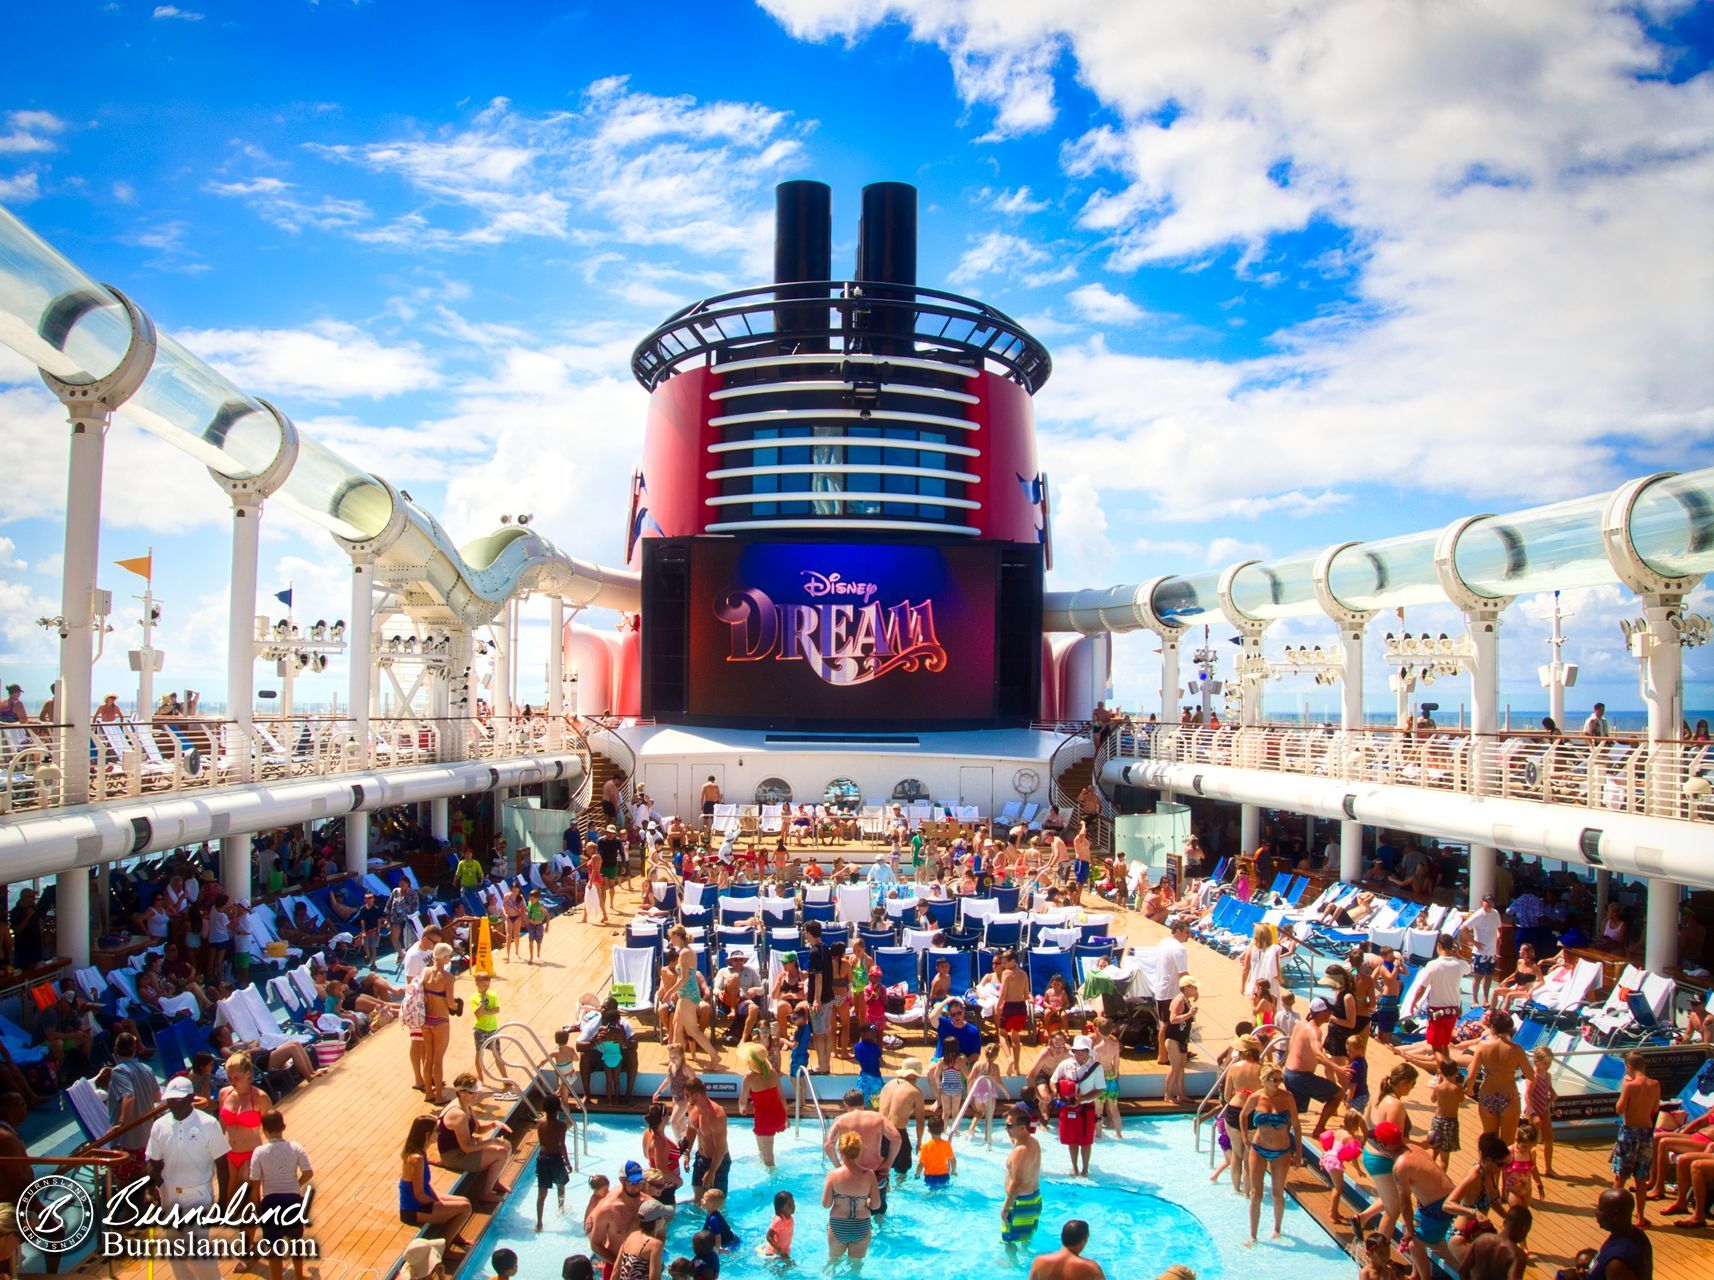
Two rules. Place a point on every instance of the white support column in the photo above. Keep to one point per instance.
(1249, 828)
(1660, 934)
(438, 816)
(1169, 678)
(82, 555)
(235, 867)
(235, 850)
(503, 667)
(359, 634)
(1351, 721)
(1249, 716)
(1663, 694)
(71, 916)
(556, 670)
(1484, 630)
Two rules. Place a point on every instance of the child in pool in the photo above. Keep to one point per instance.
(598, 1185)
(705, 1265)
(868, 1055)
(986, 1088)
(949, 1081)
(1262, 1002)
(801, 1038)
(714, 1205)
(677, 1077)
(781, 1229)
(1223, 1140)
(935, 1162)
(1379, 1261)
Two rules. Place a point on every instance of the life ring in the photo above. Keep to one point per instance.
(1026, 782)
(1532, 772)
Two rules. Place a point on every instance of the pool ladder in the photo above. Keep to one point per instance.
(1210, 1104)
(508, 1034)
(803, 1074)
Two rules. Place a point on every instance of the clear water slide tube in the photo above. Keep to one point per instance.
(75, 329)
(1547, 548)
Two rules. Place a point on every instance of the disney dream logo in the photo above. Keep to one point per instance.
(844, 644)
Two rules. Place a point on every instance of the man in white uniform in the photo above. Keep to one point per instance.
(1172, 962)
(187, 1163)
(1483, 930)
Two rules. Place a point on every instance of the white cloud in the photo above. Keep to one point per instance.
(172, 13)
(20, 188)
(1082, 548)
(1519, 197)
(1095, 302)
(124, 193)
(1014, 203)
(23, 640)
(329, 360)
(9, 555)
(30, 132)
(996, 253)
(654, 171)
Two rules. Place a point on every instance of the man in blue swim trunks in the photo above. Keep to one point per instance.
(1425, 1182)
(1304, 1055)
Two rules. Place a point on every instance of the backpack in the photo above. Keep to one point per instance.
(413, 1012)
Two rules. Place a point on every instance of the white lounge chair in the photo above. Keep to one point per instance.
(636, 966)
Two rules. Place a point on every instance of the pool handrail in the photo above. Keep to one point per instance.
(507, 1032)
(952, 1133)
(809, 1088)
(1202, 1111)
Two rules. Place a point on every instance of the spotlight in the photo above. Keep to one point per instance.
(281, 628)
(318, 632)
(338, 632)
(525, 519)
(505, 519)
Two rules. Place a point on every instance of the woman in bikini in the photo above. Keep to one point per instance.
(1495, 1069)
(661, 1151)
(419, 1205)
(241, 1105)
(437, 984)
(1388, 1107)
(513, 906)
(692, 994)
(1243, 1078)
(850, 1194)
(1270, 1124)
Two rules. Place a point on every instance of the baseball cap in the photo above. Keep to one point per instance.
(1082, 1042)
(655, 1211)
(1318, 1005)
(633, 1171)
(179, 1087)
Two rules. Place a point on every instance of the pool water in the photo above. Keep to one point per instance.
(1149, 1205)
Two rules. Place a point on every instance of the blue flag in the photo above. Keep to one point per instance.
(284, 597)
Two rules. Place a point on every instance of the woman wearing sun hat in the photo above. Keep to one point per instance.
(1176, 1033)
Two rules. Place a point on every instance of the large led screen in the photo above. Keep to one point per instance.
(824, 633)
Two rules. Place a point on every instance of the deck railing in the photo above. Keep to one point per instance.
(133, 760)
(1673, 779)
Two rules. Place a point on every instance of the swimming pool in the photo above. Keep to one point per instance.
(1149, 1205)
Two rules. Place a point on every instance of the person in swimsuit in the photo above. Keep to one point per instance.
(437, 985)
(1521, 984)
(687, 1013)
(1271, 1127)
(986, 1088)
(512, 906)
(1388, 978)
(1014, 1009)
(1020, 1212)
(1389, 1130)
(464, 1147)
(1427, 1184)
(760, 1091)
(1495, 1069)
(661, 1153)
(1242, 1079)
(241, 1105)
(851, 1195)
(419, 1205)
(1176, 1033)
(553, 1165)
(640, 1256)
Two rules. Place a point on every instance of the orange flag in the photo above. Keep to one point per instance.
(142, 566)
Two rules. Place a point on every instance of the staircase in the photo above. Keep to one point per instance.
(1071, 769)
(603, 749)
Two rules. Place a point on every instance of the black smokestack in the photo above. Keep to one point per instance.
(803, 251)
(887, 236)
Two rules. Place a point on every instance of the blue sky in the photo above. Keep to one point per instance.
(1343, 272)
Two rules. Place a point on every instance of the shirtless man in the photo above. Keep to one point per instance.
(881, 1139)
(1068, 1262)
(1108, 1050)
(706, 1137)
(1013, 1013)
(900, 1102)
(1305, 1058)
(1047, 1061)
(1021, 1210)
(710, 796)
(616, 1216)
(1421, 1180)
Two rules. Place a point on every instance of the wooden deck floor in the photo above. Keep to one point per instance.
(353, 1121)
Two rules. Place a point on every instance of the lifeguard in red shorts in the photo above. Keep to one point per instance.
(1077, 1085)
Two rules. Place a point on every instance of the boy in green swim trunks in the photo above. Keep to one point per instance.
(1106, 1049)
(1021, 1210)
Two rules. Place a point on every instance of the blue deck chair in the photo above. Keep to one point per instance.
(832, 933)
(900, 964)
(732, 916)
(1528, 1034)
(962, 965)
(169, 1044)
(742, 891)
(1220, 869)
(944, 914)
(696, 917)
(1279, 884)
(779, 917)
(963, 939)
(875, 939)
(731, 937)
(1002, 933)
(1094, 949)
(472, 904)
(784, 940)
(668, 900)
(822, 911)
(1047, 961)
(1007, 896)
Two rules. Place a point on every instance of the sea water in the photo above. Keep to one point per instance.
(1149, 1204)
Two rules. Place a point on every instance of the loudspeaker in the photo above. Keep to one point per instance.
(1017, 633)
(666, 628)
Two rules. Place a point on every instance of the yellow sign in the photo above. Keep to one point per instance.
(483, 962)
(625, 993)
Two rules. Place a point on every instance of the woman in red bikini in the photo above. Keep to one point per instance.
(241, 1105)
